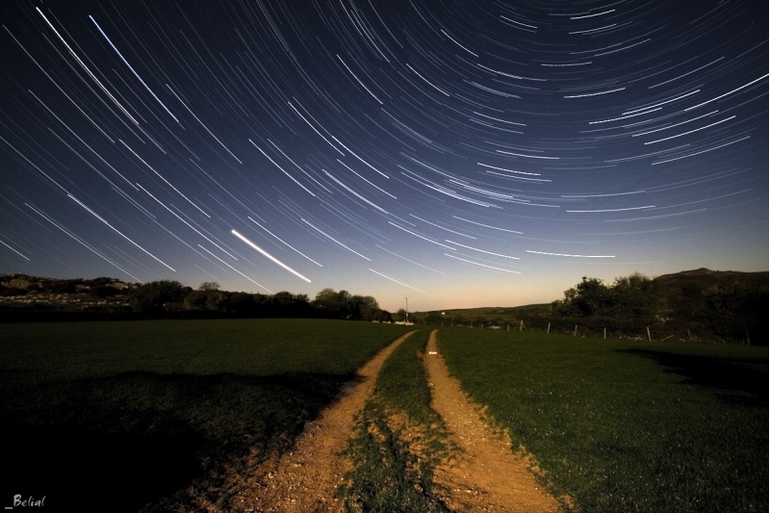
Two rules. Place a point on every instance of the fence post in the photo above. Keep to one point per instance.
(521, 325)
(575, 334)
(649, 338)
(605, 332)
(549, 328)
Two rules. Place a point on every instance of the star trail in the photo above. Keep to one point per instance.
(463, 153)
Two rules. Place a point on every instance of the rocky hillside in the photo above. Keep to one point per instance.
(34, 292)
(707, 278)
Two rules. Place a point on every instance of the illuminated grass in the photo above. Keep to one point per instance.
(402, 381)
(255, 347)
(387, 477)
(393, 471)
(146, 408)
(626, 426)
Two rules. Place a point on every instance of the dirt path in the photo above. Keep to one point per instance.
(304, 480)
(485, 475)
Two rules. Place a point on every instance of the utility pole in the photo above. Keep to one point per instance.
(407, 309)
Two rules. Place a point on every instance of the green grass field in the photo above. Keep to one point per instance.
(627, 426)
(122, 415)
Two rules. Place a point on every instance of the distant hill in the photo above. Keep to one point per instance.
(21, 293)
(25, 298)
(503, 317)
(707, 278)
(698, 304)
(701, 278)
(19, 284)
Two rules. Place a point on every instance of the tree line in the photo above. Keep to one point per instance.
(169, 295)
(691, 305)
(728, 308)
(695, 305)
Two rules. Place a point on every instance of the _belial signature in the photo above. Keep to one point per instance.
(29, 502)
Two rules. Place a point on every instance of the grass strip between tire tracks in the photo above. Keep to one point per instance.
(397, 440)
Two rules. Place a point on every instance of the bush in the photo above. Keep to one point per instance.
(155, 295)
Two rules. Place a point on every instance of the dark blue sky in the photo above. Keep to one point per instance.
(458, 153)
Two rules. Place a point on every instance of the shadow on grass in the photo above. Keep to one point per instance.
(735, 381)
(133, 440)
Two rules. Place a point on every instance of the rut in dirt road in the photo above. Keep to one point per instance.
(304, 479)
(484, 474)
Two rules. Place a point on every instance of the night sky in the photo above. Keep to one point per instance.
(456, 153)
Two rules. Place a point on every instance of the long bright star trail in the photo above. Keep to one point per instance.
(349, 144)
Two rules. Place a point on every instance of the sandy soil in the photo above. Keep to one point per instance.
(304, 480)
(484, 474)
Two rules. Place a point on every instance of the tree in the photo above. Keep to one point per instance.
(383, 316)
(155, 295)
(480, 321)
(691, 301)
(333, 304)
(459, 319)
(286, 304)
(241, 304)
(630, 297)
(434, 318)
(207, 297)
(195, 300)
(633, 296)
(735, 308)
(363, 308)
(587, 298)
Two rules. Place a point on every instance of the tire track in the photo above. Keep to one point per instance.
(304, 479)
(483, 474)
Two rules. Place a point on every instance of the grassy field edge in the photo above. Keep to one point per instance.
(624, 426)
(149, 408)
